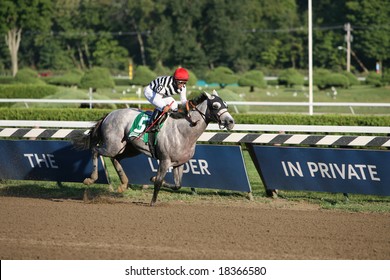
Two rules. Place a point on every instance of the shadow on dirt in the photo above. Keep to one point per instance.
(50, 190)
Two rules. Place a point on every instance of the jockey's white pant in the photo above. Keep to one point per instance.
(158, 100)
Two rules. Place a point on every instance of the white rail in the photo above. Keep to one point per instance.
(237, 127)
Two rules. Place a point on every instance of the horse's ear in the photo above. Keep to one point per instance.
(215, 92)
(206, 94)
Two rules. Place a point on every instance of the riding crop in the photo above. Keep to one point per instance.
(150, 126)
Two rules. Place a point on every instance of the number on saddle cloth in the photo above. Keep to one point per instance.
(139, 125)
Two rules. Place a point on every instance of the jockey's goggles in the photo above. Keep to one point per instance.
(181, 82)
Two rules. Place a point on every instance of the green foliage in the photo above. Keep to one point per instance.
(96, 78)
(295, 119)
(291, 77)
(252, 79)
(28, 76)
(59, 34)
(228, 95)
(67, 114)
(319, 77)
(143, 76)
(69, 93)
(374, 79)
(70, 78)
(6, 80)
(26, 91)
(386, 77)
(109, 54)
(54, 57)
(324, 79)
(373, 42)
(122, 82)
(335, 80)
(193, 79)
(161, 70)
(352, 80)
(222, 76)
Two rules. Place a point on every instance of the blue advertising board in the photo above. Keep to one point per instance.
(324, 169)
(213, 166)
(45, 160)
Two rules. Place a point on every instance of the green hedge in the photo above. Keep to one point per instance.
(52, 114)
(25, 91)
(69, 79)
(291, 77)
(297, 119)
(97, 77)
(28, 76)
(279, 119)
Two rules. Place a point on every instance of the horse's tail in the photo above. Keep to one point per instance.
(82, 141)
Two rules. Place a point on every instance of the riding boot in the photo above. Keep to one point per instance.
(152, 131)
(153, 118)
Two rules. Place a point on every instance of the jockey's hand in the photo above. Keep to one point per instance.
(166, 109)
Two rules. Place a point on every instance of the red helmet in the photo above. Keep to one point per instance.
(181, 74)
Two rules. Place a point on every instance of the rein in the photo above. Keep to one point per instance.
(188, 104)
(206, 116)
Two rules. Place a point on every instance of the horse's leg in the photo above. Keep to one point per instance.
(94, 174)
(162, 171)
(122, 175)
(177, 176)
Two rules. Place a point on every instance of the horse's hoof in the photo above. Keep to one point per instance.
(85, 196)
(122, 188)
(88, 181)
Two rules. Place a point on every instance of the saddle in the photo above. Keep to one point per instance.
(141, 128)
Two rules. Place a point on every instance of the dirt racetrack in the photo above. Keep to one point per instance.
(34, 228)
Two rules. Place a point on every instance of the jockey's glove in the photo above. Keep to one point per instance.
(166, 109)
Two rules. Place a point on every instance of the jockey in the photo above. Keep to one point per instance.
(159, 93)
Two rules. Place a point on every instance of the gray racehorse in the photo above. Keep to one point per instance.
(176, 140)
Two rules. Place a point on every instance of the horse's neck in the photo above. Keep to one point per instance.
(194, 125)
(198, 116)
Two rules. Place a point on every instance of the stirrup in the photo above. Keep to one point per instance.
(156, 113)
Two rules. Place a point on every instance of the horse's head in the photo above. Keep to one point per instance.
(217, 110)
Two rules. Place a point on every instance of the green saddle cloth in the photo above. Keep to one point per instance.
(139, 125)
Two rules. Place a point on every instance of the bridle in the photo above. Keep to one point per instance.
(210, 115)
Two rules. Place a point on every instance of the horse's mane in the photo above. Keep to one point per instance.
(199, 99)
(194, 102)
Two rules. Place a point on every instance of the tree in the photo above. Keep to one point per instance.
(222, 76)
(221, 31)
(290, 77)
(252, 79)
(22, 15)
(371, 30)
(108, 54)
(137, 16)
(185, 29)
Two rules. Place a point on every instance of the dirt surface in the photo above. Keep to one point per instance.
(71, 229)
